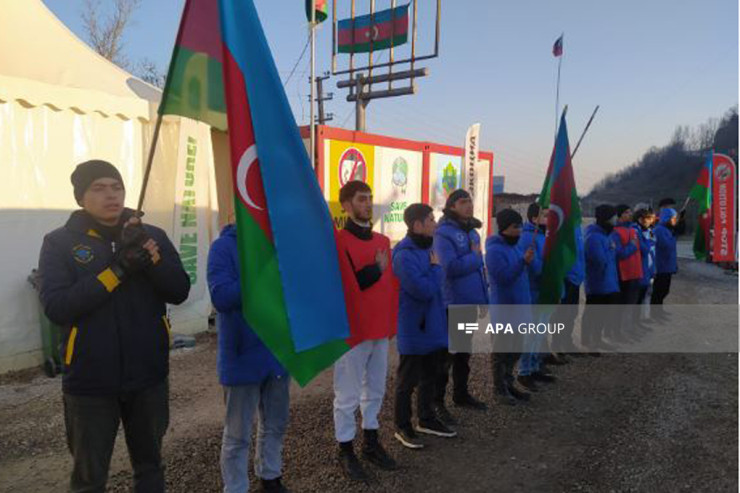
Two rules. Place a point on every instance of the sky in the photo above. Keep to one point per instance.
(650, 65)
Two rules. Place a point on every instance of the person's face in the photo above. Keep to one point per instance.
(104, 199)
(360, 208)
(626, 216)
(673, 221)
(652, 219)
(425, 227)
(513, 231)
(463, 207)
(543, 217)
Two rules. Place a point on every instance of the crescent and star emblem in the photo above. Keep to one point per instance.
(242, 171)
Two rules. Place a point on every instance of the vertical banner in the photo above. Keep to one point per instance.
(193, 228)
(397, 185)
(445, 177)
(470, 159)
(724, 210)
(482, 194)
(348, 161)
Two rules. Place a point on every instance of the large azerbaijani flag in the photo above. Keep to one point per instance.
(378, 31)
(560, 197)
(294, 291)
(701, 192)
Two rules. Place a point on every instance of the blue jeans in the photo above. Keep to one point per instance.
(270, 399)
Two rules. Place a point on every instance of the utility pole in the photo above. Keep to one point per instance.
(323, 117)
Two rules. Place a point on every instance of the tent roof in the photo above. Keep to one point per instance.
(51, 66)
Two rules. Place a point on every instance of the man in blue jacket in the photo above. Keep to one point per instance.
(254, 383)
(422, 327)
(666, 263)
(602, 281)
(643, 221)
(457, 244)
(106, 279)
(531, 365)
(507, 265)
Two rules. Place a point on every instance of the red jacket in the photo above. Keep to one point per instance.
(628, 255)
(374, 307)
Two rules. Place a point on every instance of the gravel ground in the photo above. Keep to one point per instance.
(627, 422)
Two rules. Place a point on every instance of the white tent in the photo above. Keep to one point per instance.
(61, 104)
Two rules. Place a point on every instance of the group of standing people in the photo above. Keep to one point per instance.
(106, 279)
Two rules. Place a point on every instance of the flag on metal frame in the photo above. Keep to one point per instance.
(378, 31)
(557, 48)
(559, 195)
(320, 6)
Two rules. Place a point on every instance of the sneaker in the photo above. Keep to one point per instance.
(443, 414)
(272, 486)
(350, 464)
(408, 438)
(469, 402)
(527, 382)
(541, 376)
(436, 428)
(374, 453)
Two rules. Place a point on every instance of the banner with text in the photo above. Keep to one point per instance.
(724, 181)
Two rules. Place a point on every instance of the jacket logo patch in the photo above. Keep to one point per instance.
(83, 254)
(461, 237)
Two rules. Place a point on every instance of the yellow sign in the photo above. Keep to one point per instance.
(348, 161)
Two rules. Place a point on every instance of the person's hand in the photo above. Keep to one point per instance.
(381, 258)
(475, 247)
(529, 255)
(433, 258)
(133, 233)
(132, 259)
(152, 247)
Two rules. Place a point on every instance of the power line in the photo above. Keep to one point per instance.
(303, 53)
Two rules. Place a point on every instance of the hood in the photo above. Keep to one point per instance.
(498, 240)
(667, 214)
(229, 230)
(528, 227)
(595, 229)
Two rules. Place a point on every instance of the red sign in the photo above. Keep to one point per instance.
(724, 180)
(352, 166)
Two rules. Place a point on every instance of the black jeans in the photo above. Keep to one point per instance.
(460, 364)
(661, 288)
(502, 368)
(420, 372)
(92, 425)
(630, 298)
(595, 324)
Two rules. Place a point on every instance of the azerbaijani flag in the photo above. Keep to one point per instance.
(557, 48)
(375, 32)
(195, 87)
(701, 192)
(320, 8)
(560, 197)
(295, 287)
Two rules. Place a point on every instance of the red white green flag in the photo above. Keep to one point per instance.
(320, 6)
(378, 31)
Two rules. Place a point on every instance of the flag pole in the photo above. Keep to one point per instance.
(539, 214)
(557, 90)
(313, 85)
(584, 131)
(150, 161)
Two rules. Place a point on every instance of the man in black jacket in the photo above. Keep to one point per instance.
(105, 278)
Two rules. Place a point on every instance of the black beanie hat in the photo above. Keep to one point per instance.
(455, 196)
(604, 212)
(533, 211)
(621, 208)
(86, 173)
(416, 212)
(666, 202)
(506, 218)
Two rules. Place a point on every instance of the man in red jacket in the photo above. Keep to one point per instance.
(360, 374)
(629, 266)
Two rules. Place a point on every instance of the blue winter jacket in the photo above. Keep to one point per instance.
(242, 357)
(534, 269)
(647, 251)
(665, 245)
(422, 321)
(578, 272)
(465, 282)
(507, 273)
(601, 262)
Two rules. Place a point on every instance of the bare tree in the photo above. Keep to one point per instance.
(148, 71)
(106, 35)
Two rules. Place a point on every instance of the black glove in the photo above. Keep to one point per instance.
(130, 260)
(133, 234)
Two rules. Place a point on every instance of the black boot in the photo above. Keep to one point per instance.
(503, 397)
(374, 453)
(443, 414)
(272, 486)
(544, 376)
(527, 382)
(469, 402)
(349, 462)
(516, 393)
(501, 394)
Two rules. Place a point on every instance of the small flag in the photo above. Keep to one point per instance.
(701, 193)
(560, 197)
(379, 31)
(557, 48)
(321, 10)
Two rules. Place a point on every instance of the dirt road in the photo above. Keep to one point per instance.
(617, 423)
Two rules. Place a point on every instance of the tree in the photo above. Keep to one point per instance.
(148, 71)
(106, 35)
